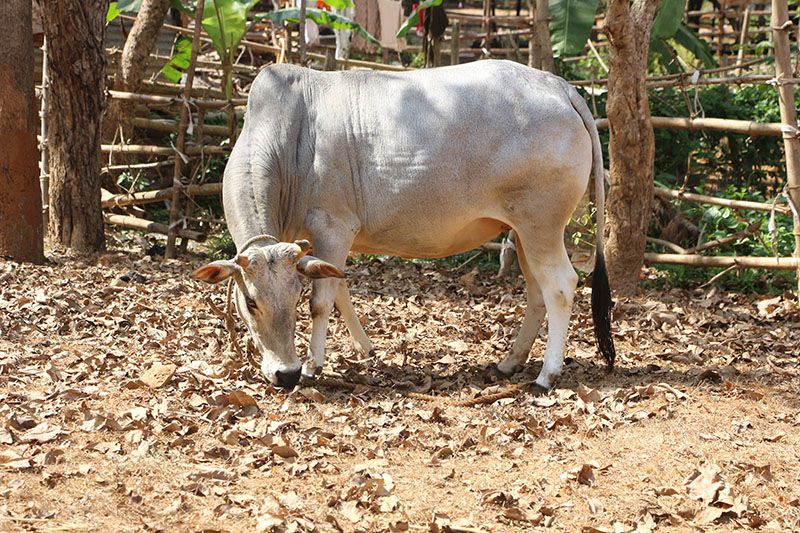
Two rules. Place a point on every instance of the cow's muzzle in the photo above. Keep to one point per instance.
(287, 380)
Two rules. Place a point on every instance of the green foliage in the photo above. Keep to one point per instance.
(751, 162)
(225, 22)
(667, 19)
(321, 17)
(220, 245)
(339, 4)
(717, 222)
(115, 8)
(571, 25)
(180, 60)
(688, 39)
(414, 19)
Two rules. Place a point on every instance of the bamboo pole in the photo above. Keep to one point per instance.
(486, 24)
(744, 37)
(724, 202)
(160, 61)
(172, 126)
(542, 35)
(685, 75)
(199, 169)
(771, 263)
(146, 197)
(177, 184)
(158, 88)
(302, 32)
(163, 150)
(745, 127)
(141, 224)
(44, 169)
(137, 166)
(455, 42)
(791, 144)
(169, 100)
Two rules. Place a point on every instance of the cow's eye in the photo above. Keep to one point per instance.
(251, 304)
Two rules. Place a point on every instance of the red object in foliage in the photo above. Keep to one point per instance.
(323, 5)
(421, 14)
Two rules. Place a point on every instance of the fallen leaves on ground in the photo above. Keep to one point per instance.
(116, 408)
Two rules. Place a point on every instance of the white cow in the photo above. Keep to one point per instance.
(427, 163)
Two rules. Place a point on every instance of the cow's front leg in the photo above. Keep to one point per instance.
(323, 293)
(331, 244)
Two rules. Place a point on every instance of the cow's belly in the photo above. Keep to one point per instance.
(429, 240)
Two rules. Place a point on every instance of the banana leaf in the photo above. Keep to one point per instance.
(571, 25)
(320, 16)
(669, 14)
(413, 18)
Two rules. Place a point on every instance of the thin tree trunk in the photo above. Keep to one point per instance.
(20, 201)
(133, 65)
(541, 34)
(75, 34)
(632, 146)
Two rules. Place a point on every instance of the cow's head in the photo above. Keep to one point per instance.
(266, 294)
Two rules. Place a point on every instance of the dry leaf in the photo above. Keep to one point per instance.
(41, 433)
(240, 398)
(704, 484)
(158, 375)
(587, 394)
(586, 475)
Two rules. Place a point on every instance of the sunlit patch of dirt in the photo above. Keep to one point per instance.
(116, 412)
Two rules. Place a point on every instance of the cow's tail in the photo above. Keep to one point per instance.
(601, 291)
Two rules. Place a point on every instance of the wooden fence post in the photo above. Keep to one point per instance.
(791, 144)
(177, 185)
(455, 42)
(44, 165)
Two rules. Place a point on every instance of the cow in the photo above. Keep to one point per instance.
(419, 164)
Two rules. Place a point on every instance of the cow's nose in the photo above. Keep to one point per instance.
(287, 380)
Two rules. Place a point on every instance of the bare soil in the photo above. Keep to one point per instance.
(117, 413)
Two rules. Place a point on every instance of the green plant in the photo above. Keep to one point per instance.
(413, 19)
(220, 245)
(571, 25)
(321, 17)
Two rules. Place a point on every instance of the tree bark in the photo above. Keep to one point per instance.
(133, 65)
(20, 201)
(75, 33)
(632, 146)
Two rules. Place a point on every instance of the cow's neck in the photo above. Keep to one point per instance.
(265, 201)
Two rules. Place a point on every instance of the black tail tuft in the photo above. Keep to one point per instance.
(601, 311)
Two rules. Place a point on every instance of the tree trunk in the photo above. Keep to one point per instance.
(632, 146)
(133, 65)
(541, 34)
(75, 33)
(20, 202)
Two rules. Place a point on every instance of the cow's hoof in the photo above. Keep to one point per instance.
(538, 390)
(372, 352)
(508, 372)
(311, 371)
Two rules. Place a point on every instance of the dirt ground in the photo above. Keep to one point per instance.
(116, 413)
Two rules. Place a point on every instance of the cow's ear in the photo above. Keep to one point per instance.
(215, 272)
(314, 268)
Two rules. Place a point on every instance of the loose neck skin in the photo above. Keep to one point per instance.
(260, 193)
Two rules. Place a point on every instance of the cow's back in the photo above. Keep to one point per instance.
(436, 148)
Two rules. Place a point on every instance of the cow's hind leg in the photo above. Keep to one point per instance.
(345, 306)
(534, 315)
(545, 260)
